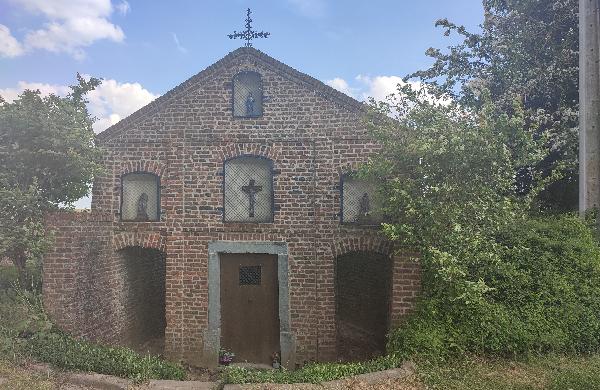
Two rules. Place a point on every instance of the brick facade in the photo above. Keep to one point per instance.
(312, 133)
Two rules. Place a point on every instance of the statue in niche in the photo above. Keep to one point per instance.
(250, 104)
(364, 209)
(142, 208)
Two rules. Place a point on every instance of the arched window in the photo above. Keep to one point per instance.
(140, 197)
(359, 203)
(247, 95)
(248, 189)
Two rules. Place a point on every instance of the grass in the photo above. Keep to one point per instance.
(17, 378)
(537, 373)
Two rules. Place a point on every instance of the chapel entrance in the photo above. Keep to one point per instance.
(143, 298)
(250, 306)
(363, 290)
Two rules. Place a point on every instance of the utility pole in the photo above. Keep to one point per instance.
(589, 105)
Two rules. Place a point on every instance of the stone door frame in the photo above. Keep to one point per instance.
(212, 336)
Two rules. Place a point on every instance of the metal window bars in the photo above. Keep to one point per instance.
(360, 204)
(250, 275)
(248, 190)
(247, 95)
(140, 198)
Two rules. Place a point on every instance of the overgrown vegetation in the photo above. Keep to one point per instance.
(541, 296)
(464, 175)
(65, 352)
(26, 333)
(310, 373)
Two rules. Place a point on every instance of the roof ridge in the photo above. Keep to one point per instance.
(323, 89)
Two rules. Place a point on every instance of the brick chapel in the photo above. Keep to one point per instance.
(227, 217)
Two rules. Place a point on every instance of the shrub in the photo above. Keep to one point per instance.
(543, 297)
(66, 352)
(311, 373)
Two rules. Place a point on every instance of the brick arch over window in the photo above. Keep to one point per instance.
(257, 150)
(144, 240)
(145, 166)
(362, 244)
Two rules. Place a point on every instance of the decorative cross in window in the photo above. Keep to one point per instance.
(251, 190)
(248, 34)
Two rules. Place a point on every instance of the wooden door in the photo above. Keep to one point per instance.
(249, 306)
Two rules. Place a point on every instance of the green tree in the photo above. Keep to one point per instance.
(48, 159)
(527, 51)
(494, 279)
(447, 177)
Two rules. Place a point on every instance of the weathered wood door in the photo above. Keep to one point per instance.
(250, 306)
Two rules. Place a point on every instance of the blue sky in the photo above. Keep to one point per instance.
(144, 48)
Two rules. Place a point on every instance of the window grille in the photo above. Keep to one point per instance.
(247, 95)
(248, 190)
(250, 275)
(359, 202)
(140, 197)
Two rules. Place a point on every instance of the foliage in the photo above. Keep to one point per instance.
(527, 51)
(542, 297)
(26, 332)
(66, 352)
(447, 179)
(47, 159)
(495, 281)
(310, 373)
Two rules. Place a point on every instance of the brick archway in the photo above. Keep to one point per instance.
(250, 149)
(148, 166)
(376, 244)
(143, 240)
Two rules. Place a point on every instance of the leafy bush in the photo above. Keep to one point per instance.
(542, 297)
(311, 373)
(66, 352)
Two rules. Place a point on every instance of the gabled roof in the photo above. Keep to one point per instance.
(319, 88)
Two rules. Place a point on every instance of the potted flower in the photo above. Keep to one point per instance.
(225, 357)
(276, 360)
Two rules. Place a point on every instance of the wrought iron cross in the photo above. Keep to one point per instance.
(248, 34)
(251, 190)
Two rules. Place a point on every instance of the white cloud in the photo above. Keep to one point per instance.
(11, 94)
(113, 101)
(310, 8)
(341, 85)
(378, 87)
(71, 25)
(9, 46)
(110, 102)
(178, 45)
(123, 7)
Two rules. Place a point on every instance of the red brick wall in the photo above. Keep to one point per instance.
(79, 274)
(313, 135)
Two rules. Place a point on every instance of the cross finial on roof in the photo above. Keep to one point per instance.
(248, 34)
